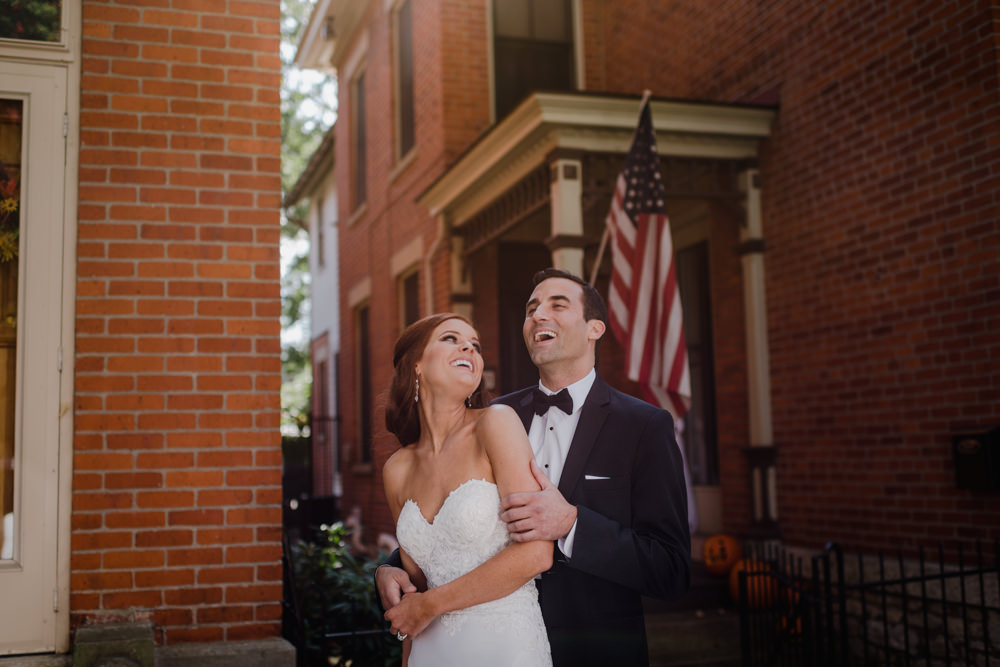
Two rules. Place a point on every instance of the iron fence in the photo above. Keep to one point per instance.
(831, 610)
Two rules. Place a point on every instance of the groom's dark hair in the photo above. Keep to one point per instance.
(593, 304)
(594, 307)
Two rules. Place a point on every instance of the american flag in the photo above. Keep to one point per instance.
(643, 300)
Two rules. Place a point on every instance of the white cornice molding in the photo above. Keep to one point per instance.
(548, 121)
(323, 53)
(314, 51)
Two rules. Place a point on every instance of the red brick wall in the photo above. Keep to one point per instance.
(881, 217)
(880, 203)
(177, 459)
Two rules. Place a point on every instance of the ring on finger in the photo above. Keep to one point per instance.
(400, 636)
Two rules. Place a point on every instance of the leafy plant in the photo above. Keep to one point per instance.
(336, 595)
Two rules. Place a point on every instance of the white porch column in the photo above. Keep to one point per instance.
(761, 454)
(566, 242)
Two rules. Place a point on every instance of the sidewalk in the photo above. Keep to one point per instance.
(694, 638)
(702, 629)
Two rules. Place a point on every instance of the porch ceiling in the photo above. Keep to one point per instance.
(546, 122)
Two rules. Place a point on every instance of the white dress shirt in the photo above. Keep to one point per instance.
(551, 435)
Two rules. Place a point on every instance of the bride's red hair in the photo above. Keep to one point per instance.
(402, 416)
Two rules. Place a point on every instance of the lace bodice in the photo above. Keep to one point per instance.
(466, 532)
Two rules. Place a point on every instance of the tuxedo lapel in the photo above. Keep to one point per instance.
(592, 416)
(525, 410)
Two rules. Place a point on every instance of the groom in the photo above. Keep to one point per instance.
(613, 497)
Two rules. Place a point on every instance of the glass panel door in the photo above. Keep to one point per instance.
(11, 129)
(32, 219)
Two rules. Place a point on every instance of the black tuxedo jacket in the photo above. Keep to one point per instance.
(625, 476)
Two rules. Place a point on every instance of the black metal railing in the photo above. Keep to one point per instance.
(832, 610)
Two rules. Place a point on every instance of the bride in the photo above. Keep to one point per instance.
(475, 601)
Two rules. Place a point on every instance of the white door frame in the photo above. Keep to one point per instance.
(38, 576)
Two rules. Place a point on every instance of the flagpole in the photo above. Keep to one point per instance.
(600, 253)
(646, 94)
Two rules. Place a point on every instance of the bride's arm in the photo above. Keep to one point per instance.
(502, 436)
(394, 473)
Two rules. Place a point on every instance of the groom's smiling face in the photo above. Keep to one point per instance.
(555, 331)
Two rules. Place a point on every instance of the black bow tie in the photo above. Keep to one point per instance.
(562, 400)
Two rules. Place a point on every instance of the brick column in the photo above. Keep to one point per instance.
(177, 456)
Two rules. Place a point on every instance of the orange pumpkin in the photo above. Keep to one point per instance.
(720, 553)
(762, 590)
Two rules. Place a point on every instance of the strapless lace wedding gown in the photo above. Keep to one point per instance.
(467, 531)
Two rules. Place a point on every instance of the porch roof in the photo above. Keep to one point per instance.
(583, 122)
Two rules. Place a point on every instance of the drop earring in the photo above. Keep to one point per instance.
(416, 394)
(468, 401)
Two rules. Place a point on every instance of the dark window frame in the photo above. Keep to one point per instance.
(406, 137)
(409, 298)
(359, 141)
(364, 384)
(523, 63)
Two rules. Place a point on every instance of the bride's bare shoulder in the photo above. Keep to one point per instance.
(497, 420)
(398, 465)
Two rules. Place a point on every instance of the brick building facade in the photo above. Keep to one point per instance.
(160, 484)
(833, 193)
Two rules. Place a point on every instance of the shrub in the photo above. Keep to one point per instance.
(336, 595)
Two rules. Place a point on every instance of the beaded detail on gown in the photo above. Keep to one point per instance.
(466, 532)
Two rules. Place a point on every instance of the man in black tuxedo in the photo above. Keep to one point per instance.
(616, 505)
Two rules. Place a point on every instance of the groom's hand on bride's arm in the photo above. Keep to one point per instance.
(392, 583)
(538, 515)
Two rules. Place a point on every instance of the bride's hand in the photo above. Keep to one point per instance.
(412, 615)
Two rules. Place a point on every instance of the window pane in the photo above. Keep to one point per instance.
(359, 141)
(365, 386)
(320, 233)
(405, 49)
(512, 18)
(11, 127)
(37, 20)
(524, 66)
(411, 299)
(550, 22)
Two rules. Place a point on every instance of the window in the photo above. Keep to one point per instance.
(405, 132)
(322, 446)
(364, 387)
(532, 49)
(358, 143)
(320, 233)
(409, 298)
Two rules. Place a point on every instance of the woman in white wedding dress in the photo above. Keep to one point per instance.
(475, 602)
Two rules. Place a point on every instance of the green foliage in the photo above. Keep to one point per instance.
(31, 19)
(308, 108)
(308, 99)
(336, 593)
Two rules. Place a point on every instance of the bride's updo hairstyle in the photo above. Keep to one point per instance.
(402, 413)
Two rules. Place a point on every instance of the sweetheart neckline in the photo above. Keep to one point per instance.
(445, 502)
